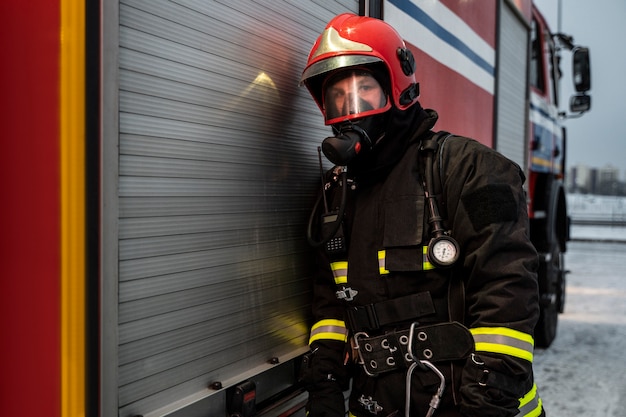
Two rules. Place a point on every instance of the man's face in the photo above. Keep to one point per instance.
(355, 93)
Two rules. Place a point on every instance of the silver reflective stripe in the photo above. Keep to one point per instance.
(382, 254)
(503, 340)
(329, 329)
(340, 271)
(530, 404)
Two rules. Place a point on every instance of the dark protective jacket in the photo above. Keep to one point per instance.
(385, 282)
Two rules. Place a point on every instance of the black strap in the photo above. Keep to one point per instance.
(435, 343)
(437, 143)
(376, 315)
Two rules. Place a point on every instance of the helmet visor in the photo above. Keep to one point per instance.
(352, 94)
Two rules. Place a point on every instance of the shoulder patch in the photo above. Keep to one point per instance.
(493, 203)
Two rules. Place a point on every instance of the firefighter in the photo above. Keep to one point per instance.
(426, 295)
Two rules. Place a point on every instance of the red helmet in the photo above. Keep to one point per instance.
(359, 42)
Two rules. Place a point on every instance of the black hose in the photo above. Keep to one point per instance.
(434, 218)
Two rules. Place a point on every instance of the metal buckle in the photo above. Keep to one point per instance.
(370, 404)
(357, 347)
(347, 294)
(482, 379)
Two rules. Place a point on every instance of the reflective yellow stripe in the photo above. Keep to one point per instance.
(381, 262)
(502, 340)
(530, 404)
(426, 265)
(382, 254)
(72, 152)
(340, 271)
(329, 329)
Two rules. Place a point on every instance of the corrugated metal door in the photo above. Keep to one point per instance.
(511, 86)
(217, 170)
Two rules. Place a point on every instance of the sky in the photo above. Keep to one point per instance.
(598, 138)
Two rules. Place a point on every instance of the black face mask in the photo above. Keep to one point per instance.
(352, 139)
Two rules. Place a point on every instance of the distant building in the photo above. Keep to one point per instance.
(582, 179)
(603, 181)
(608, 180)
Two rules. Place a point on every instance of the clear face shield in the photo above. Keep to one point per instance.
(350, 99)
(352, 93)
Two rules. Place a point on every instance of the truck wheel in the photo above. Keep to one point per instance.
(560, 288)
(545, 331)
(551, 296)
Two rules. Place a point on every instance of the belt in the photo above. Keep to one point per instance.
(397, 350)
(374, 316)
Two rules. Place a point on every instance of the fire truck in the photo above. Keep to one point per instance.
(493, 71)
(161, 162)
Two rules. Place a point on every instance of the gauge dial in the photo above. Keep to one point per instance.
(443, 251)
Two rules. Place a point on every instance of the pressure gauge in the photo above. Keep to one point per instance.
(443, 251)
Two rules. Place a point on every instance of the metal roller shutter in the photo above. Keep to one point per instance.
(217, 170)
(511, 91)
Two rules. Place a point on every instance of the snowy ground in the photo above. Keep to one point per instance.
(598, 234)
(586, 205)
(583, 373)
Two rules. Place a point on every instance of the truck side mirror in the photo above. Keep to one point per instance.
(581, 69)
(579, 103)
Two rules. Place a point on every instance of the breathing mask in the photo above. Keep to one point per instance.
(352, 139)
(354, 102)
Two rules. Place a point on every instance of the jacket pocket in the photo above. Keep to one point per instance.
(403, 233)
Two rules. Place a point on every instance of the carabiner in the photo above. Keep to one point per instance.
(436, 398)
